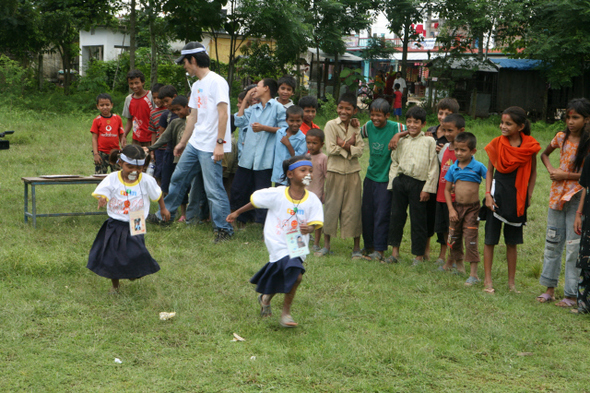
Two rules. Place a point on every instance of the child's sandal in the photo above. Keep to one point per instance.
(265, 310)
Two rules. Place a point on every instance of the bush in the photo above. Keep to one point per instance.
(14, 79)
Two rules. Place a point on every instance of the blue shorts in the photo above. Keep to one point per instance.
(397, 111)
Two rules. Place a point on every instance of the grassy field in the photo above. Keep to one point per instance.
(364, 327)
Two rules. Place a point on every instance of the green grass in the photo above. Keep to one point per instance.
(364, 327)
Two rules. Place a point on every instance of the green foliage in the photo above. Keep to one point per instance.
(378, 48)
(352, 77)
(15, 80)
(259, 62)
(96, 77)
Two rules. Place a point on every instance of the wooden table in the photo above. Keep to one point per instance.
(54, 181)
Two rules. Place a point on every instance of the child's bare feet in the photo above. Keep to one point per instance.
(460, 267)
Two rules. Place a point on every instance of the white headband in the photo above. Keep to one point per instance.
(192, 51)
(132, 161)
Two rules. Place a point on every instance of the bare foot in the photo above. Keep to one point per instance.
(513, 289)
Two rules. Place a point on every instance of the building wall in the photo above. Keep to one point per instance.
(105, 37)
(520, 88)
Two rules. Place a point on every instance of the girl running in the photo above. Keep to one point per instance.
(292, 212)
(573, 144)
(512, 172)
(117, 253)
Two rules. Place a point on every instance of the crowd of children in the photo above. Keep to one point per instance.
(433, 175)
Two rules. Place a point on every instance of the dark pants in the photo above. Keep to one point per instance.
(431, 214)
(406, 191)
(246, 181)
(167, 170)
(376, 209)
(159, 155)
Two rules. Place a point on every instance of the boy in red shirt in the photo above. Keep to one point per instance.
(137, 109)
(107, 134)
(310, 107)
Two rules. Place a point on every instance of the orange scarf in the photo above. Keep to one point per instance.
(506, 159)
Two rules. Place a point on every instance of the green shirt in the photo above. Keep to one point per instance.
(380, 158)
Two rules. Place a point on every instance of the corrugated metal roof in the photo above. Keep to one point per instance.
(517, 64)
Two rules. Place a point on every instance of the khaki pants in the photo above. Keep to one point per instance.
(343, 202)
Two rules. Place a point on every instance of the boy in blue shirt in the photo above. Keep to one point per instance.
(289, 142)
(464, 176)
(376, 206)
(255, 165)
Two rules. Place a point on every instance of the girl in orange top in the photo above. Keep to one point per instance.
(512, 172)
(573, 144)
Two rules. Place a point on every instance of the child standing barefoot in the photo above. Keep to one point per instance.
(292, 212)
(512, 172)
(116, 253)
(564, 199)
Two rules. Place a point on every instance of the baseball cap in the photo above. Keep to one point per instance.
(190, 48)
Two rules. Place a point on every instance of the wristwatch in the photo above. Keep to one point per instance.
(220, 141)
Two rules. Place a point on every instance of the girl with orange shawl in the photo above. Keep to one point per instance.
(512, 172)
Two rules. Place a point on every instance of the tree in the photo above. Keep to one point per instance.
(61, 22)
(378, 48)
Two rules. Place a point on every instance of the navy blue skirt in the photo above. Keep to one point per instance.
(116, 254)
(279, 276)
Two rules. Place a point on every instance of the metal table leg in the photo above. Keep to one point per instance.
(26, 202)
(34, 205)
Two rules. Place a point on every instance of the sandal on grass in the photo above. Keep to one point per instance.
(440, 261)
(566, 303)
(287, 321)
(356, 255)
(545, 298)
(315, 248)
(322, 252)
(265, 310)
(390, 259)
(375, 256)
(489, 290)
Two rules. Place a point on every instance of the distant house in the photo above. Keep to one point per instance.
(102, 43)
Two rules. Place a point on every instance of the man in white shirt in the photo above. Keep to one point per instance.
(206, 138)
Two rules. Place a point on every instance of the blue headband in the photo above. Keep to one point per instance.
(300, 163)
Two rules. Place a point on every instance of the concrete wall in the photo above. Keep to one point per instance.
(101, 37)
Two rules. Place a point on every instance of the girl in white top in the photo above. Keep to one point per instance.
(293, 212)
(116, 254)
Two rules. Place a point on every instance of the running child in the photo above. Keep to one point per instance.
(376, 205)
(310, 108)
(344, 146)
(315, 142)
(292, 211)
(107, 134)
(137, 108)
(510, 181)
(116, 253)
(564, 199)
(290, 142)
(464, 176)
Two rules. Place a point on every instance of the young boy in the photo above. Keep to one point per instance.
(137, 109)
(445, 107)
(289, 142)
(242, 130)
(286, 90)
(166, 95)
(310, 108)
(466, 175)
(412, 178)
(376, 206)
(255, 166)
(344, 146)
(397, 102)
(173, 134)
(451, 125)
(154, 128)
(315, 142)
(107, 134)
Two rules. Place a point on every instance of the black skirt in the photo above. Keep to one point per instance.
(279, 276)
(116, 254)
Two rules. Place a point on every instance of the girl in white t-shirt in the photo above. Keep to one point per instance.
(293, 213)
(116, 254)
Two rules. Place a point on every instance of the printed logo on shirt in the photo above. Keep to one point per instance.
(129, 192)
(377, 148)
(292, 212)
(118, 206)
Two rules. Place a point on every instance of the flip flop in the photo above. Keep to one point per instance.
(489, 290)
(287, 322)
(356, 255)
(566, 303)
(374, 256)
(265, 310)
(323, 252)
(545, 298)
(440, 261)
(390, 259)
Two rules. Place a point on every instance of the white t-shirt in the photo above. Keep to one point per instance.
(125, 197)
(281, 216)
(402, 84)
(206, 94)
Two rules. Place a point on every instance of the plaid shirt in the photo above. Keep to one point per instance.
(417, 158)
